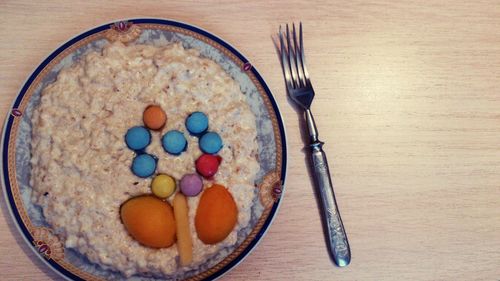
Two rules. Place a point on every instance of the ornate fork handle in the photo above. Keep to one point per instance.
(335, 234)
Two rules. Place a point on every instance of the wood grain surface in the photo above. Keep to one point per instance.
(407, 101)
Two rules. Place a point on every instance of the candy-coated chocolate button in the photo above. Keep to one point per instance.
(191, 185)
(210, 143)
(207, 165)
(197, 123)
(137, 138)
(154, 117)
(143, 165)
(174, 142)
(163, 186)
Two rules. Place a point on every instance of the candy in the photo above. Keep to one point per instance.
(137, 138)
(154, 117)
(197, 123)
(191, 184)
(210, 143)
(143, 165)
(163, 186)
(174, 142)
(207, 165)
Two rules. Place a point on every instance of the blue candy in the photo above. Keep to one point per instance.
(174, 142)
(197, 123)
(137, 138)
(144, 165)
(210, 143)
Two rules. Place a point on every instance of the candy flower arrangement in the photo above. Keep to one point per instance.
(150, 218)
(174, 142)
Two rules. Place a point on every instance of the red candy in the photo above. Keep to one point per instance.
(207, 165)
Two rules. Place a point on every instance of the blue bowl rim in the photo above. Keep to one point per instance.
(5, 140)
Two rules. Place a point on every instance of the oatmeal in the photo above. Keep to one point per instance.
(81, 165)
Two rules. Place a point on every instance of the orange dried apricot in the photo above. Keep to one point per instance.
(154, 117)
(216, 215)
(149, 220)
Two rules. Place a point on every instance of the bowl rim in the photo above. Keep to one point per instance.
(7, 126)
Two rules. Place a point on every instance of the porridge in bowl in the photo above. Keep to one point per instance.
(88, 168)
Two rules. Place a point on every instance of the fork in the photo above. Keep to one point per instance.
(300, 90)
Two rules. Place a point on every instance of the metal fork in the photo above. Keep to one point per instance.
(301, 92)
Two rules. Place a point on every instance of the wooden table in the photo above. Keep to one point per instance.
(407, 101)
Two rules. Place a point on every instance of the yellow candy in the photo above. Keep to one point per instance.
(163, 186)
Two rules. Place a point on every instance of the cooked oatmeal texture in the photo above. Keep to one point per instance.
(81, 164)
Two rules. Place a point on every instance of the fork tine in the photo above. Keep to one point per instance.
(303, 57)
(298, 51)
(284, 61)
(291, 57)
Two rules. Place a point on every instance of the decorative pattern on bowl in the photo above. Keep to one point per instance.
(48, 244)
(123, 31)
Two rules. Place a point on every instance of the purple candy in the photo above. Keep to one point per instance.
(191, 184)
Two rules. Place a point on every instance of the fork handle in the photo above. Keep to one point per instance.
(336, 236)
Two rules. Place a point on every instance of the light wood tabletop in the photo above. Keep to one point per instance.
(407, 102)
